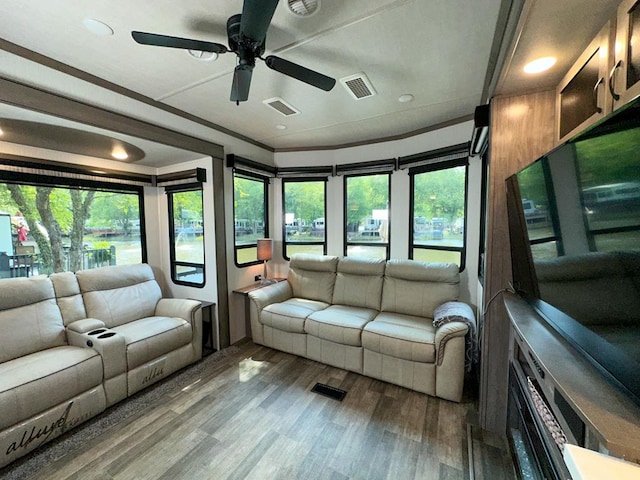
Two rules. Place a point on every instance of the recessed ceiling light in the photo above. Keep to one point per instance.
(203, 56)
(119, 153)
(540, 65)
(281, 127)
(97, 27)
(407, 97)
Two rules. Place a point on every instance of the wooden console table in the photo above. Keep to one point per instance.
(244, 291)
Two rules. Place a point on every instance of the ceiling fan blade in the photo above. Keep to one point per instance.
(256, 17)
(299, 72)
(241, 83)
(177, 42)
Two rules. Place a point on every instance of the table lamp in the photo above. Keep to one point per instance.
(265, 253)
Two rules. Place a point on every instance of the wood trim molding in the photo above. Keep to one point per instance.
(100, 82)
(392, 138)
(522, 129)
(24, 96)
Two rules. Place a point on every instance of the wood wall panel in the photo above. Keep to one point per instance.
(522, 129)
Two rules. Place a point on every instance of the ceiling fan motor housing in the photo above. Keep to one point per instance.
(246, 48)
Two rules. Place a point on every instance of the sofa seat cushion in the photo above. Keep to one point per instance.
(151, 337)
(340, 324)
(289, 316)
(39, 381)
(401, 336)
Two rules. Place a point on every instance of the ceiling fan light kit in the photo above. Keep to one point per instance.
(246, 34)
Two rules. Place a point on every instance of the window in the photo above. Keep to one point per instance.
(438, 216)
(250, 209)
(57, 224)
(186, 235)
(367, 215)
(304, 216)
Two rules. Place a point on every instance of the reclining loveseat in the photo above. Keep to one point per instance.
(73, 344)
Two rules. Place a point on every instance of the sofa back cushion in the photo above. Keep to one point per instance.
(594, 288)
(359, 282)
(312, 276)
(68, 296)
(30, 319)
(417, 288)
(120, 294)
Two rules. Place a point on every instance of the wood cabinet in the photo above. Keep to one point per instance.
(583, 95)
(624, 77)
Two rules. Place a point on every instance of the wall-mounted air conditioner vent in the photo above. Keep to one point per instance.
(280, 106)
(359, 86)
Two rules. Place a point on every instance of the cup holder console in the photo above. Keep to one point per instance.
(99, 333)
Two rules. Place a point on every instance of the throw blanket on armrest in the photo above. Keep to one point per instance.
(460, 312)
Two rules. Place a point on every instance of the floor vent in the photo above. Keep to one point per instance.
(329, 391)
(359, 86)
(280, 106)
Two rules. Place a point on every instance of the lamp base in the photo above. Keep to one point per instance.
(264, 280)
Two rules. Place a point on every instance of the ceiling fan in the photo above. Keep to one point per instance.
(246, 34)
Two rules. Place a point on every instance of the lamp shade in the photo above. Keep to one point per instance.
(265, 249)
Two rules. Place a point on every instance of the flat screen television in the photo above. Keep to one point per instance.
(574, 225)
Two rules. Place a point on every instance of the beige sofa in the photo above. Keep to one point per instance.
(368, 316)
(73, 344)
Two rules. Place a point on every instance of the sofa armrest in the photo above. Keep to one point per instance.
(445, 333)
(261, 298)
(275, 293)
(85, 325)
(178, 307)
(450, 360)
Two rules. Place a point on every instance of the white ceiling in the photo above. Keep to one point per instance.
(440, 51)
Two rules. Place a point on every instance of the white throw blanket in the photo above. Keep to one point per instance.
(460, 312)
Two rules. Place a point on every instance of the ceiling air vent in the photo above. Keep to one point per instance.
(358, 86)
(280, 106)
(303, 8)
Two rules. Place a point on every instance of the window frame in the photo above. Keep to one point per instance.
(348, 244)
(266, 181)
(324, 180)
(173, 263)
(61, 181)
(433, 167)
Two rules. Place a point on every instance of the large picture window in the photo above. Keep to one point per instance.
(304, 216)
(250, 209)
(367, 215)
(47, 228)
(186, 230)
(438, 212)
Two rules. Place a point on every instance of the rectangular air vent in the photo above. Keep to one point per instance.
(359, 86)
(280, 106)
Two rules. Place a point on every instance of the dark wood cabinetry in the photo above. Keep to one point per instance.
(583, 94)
(625, 73)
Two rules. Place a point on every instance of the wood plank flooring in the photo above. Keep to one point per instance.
(253, 416)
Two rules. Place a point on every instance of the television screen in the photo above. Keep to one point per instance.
(574, 219)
